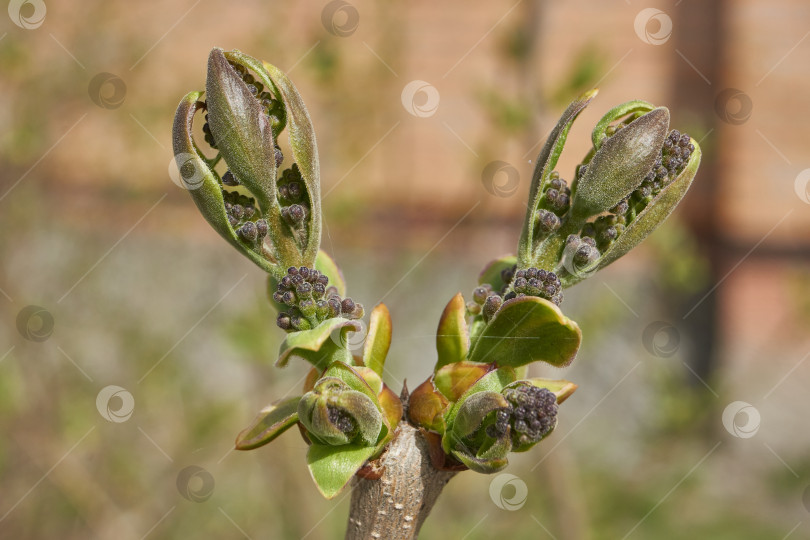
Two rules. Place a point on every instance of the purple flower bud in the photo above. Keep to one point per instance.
(229, 179)
(248, 232)
(491, 306)
(261, 227)
(347, 306)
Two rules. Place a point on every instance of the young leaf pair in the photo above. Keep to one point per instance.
(273, 219)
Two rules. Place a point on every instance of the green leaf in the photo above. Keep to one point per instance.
(528, 329)
(204, 186)
(545, 164)
(492, 271)
(271, 422)
(620, 165)
(332, 467)
(378, 339)
(617, 112)
(323, 264)
(487, 465)
(392, 409)
(453, 380)
(371, 377)
(452, 336)
(426, 407)
(319, 346)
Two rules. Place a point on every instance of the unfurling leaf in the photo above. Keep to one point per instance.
(332, 467)
(378, 339)
(452, 336)
(620, 164)
(271, 422)
(320, 346)
(528, 329)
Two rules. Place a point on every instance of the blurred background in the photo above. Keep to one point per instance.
(135, 344)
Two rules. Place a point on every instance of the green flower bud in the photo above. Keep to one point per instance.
(248, 104)
(498, 415)
(637, 168)
(335, 414)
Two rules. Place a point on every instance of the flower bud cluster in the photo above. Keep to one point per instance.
(601, 232)
(485, 301)
(528, 282)
(675, 153)
(555, 203)
(311, 300)
(536, 282)
(532, 414)
(557, 194)
(241, 210)
(292, 197)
